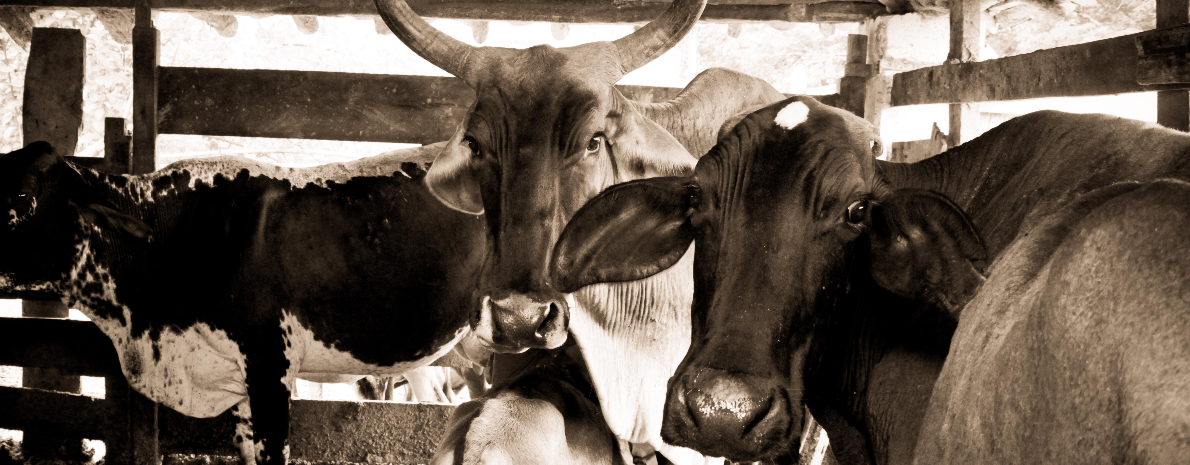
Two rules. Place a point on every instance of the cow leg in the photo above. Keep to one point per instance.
(244, 438)
(267, 372)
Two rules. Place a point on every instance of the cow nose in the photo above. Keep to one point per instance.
(521, 321)
(724, 414)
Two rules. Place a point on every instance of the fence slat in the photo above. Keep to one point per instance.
(68, 414)
(1101, 67)
(71, 347)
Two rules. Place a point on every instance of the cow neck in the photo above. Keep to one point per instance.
(871, 370)
(642, 329)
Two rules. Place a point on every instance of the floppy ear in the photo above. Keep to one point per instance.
(109, 218)
(641, 147)
(630, 231)
(924, 247)
(451, 179)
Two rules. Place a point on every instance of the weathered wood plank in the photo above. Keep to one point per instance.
(966, 41)
(853, 84)
(1094, 68)
(16, 21)
(325, 431)
(67, 414)
(1173, 106)
(146, 46)
(321, 105)
(310, 105)
(117, 147)
(560, 11)
(53, 100)
(72, 347)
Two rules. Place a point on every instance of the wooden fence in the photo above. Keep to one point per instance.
(226, 102)
(1155, 60)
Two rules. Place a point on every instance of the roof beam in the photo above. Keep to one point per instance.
(559, 11)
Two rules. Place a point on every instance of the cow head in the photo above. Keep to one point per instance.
(547, 132)
(43, 200)
(790, 218)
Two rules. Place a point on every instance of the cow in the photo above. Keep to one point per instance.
(1049, 249)
(546, 413)
(217, 293)
(549, 130)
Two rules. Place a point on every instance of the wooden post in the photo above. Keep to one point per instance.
(145, 48)
(53, 112)
(53, 105)
(1173, 106)
(132, 432)
(117, 146)
(966, 40)
(853, 85)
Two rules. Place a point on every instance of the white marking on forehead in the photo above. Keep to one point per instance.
(792, 115)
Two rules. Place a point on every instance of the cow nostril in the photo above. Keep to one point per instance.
(550, 310)
(758, 414)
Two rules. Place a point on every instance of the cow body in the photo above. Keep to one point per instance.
(244, 282)
(823, 276)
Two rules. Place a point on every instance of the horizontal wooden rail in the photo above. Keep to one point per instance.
(71, 415)
(1164, 56)
(1101, 67)
(71, 347)
(561, 11)
(321, 105)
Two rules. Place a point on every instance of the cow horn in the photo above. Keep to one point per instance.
(440, 49)
(660, 35)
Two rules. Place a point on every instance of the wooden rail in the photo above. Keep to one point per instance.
(559, 11)
(319, 430)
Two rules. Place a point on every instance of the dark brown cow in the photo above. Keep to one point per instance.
(548, 131)
(826, 277)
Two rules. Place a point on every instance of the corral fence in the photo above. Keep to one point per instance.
(1151, 61)
(54, 351)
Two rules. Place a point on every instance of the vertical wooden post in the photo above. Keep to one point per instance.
(966, 40)
(145, 48)
(853, 85)
(1173, 106)
(132, 432)
(53, 112)
(117, 147)
(878, 96)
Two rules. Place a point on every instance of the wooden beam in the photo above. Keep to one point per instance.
(853, 85)
(71, 347)
(560, 11)
(16, 21)
(146, 45)
(66, 414)
(966, 40)
(53, 101)
(322, 105)
(1094, 68)
(1173, 106)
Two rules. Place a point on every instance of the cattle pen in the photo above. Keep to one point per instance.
(318, 105)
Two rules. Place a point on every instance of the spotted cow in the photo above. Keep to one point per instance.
(217, 292)
(1022, 298)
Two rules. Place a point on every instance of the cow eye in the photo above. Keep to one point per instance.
(595, 143)
(21, 197)
(857, 212)
(877, 149)
(695, 196)
(472, 145)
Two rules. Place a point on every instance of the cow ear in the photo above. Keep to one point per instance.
(642, 146)
(451, 178)
(924, 247)
(109, 218)
(630, 231)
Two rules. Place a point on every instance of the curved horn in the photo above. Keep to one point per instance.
(440, 49)
(658, 36)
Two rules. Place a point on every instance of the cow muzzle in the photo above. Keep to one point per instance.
(518, 322)
(719, 413)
